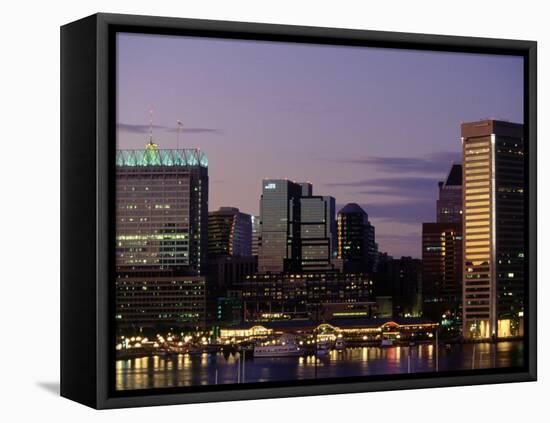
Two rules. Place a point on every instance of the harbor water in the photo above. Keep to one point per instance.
(219, 368)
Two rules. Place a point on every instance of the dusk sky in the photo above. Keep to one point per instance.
(378, 127)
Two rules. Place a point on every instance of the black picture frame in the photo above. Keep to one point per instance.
(87, 206)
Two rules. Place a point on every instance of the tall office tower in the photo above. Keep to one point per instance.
(317, 233)
(442, 270)
(229, 233)
(494, 238)
(255, 221)
(161, 223)
(449, 203)
(356, 239)
(279, 211)
(161, 208)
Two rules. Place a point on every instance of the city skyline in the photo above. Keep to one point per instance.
(369, 103)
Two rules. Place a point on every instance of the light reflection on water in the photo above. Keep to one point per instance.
(206, 369)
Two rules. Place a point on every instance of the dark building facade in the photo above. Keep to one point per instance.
(442, 270)
(279, 231)
(148, 298)
(301, 295)
(357, 246)
(224, 272)
(161, 236)
(493, 198)
(229, 233)
(229, 309)
(400, 280)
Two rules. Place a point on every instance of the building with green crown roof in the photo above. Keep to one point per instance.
(161, 236)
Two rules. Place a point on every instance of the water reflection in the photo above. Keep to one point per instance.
(206, 369)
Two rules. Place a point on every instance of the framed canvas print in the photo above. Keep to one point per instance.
(255, 211)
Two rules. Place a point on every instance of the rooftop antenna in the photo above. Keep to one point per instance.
(179, 124)
(151, 125)
(151, 145)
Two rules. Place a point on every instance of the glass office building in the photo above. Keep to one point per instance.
(279, 210)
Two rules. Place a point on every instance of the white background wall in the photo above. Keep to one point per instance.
(29, 208)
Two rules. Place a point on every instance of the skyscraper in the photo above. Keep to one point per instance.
(161, 239)
(356, 239)
(230, 257)
(161, 208)
(317, 233)
(297, 228)
(279, 209)
(493, 181)
(229, 233)
(442, 253)
(449, 203)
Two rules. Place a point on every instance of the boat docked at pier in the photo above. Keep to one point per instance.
(278, 350)
(323, 348)
(340, 344)
(387, 343)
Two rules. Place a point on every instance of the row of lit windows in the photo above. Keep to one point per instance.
(470, 158)
(477, 197)
(477, 178)
(477, 223)
(477, 184)
(477, 172)
(477, 243)
(474, 204)
(475, 165)
(476, 190)
(471, 147)
(477, 215)
(476, 210)
(477, 230)
(478, 237)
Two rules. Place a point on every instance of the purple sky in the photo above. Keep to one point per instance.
(378, 127)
